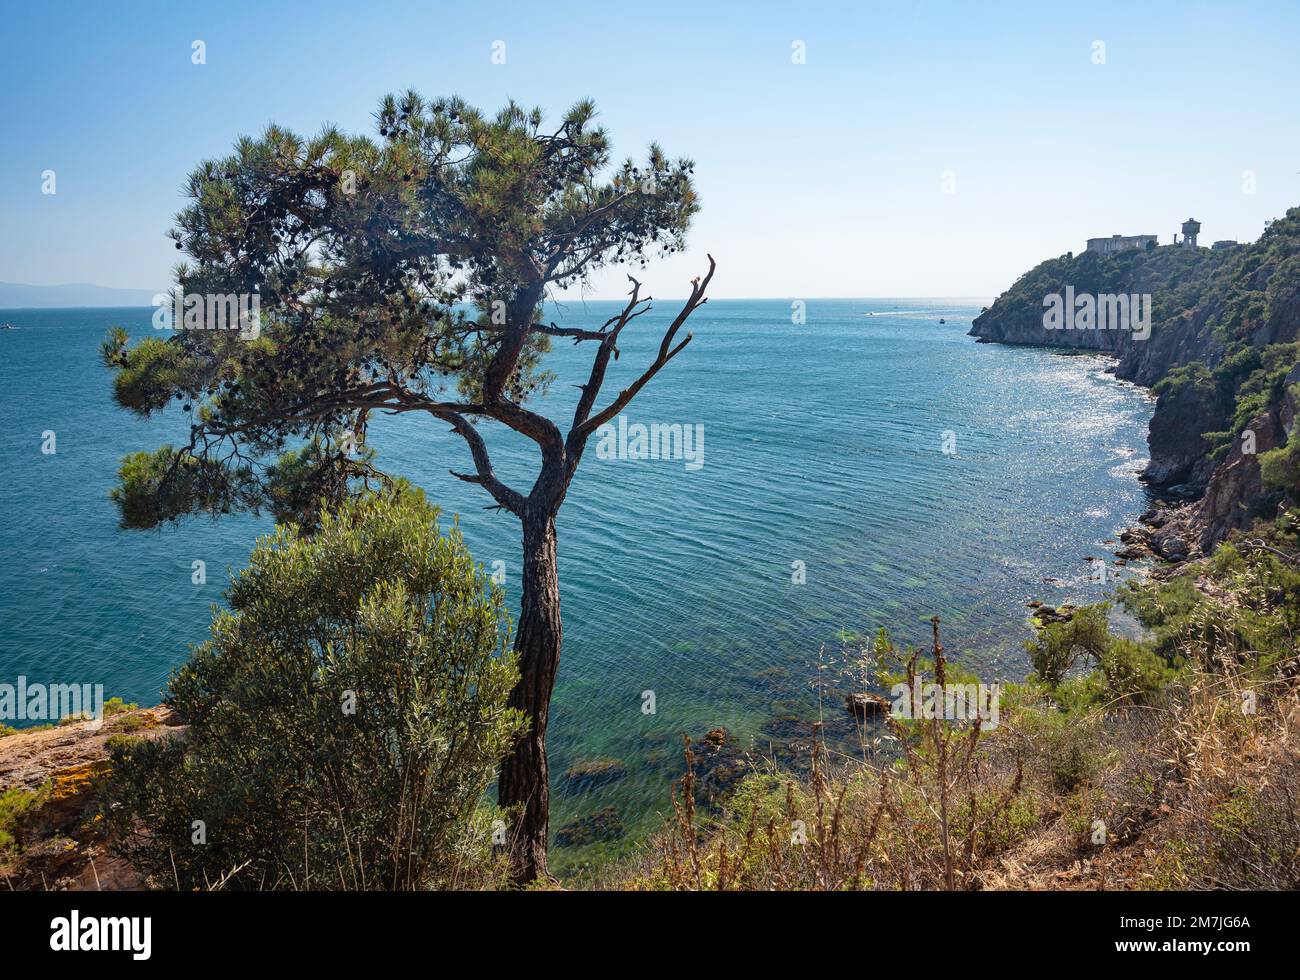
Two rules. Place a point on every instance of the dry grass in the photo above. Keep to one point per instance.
(930, 821)
(1186, 791)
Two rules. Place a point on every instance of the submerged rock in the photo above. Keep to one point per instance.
(718, 765)
(590, 773)
(603, 825)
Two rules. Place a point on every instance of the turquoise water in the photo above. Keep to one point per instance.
(823, 444)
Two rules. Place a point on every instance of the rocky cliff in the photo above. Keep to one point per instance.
(1219, 356)
(51, 834)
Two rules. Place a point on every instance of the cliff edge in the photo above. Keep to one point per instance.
(50, 830)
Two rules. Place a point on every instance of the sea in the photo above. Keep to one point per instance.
(854, 464)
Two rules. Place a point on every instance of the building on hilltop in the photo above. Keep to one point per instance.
(1224, 243)
(1120, 243)
(1191, 228)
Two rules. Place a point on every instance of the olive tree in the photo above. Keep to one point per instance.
(345, 718)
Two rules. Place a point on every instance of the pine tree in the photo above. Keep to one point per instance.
(404, 274)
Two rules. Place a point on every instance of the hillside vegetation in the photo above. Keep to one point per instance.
(1221, 361)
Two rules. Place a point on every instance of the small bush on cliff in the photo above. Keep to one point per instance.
(346, 717)
(14, 804)
(1280, 468)
(1058, 648)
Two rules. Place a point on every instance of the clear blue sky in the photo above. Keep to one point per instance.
(818, 179)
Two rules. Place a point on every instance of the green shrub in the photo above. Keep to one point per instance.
(120, 740)
(14, 804)
(346, 717)
(132, 723)
(1251, 625)
(1059, 647)
(1280, 468)
(1132, 670)
(1122, 668)
(116, 706)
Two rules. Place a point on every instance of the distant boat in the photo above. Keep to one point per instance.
(942, 320)
(7, 326)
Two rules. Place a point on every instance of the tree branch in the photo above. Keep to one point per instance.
(484, 475)
(583, 426)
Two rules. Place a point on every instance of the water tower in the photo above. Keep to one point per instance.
(1191, 228)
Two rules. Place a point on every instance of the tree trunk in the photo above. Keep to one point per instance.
(525, 778)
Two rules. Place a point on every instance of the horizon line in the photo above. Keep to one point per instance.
(586, 299)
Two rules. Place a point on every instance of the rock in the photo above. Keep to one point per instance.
(1236, 483)
(1047, 615)
(1171, 545)
(718, 765)
(864, 705)
(588, 774)
(29, 757)
(61, 843)
(603, 825)
(1287, 411)
(789, 741)
(1177, 446)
